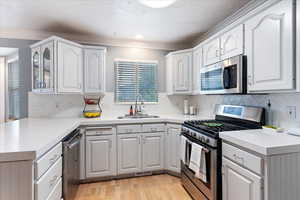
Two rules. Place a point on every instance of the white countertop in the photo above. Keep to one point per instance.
(263, 141)
(30, 138)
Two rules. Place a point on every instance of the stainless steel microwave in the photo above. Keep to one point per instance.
(226, 77)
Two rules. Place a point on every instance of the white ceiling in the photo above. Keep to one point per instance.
(7, 51)
(117, 19)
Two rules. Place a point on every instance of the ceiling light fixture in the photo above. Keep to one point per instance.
(157, 3)
(139, 36)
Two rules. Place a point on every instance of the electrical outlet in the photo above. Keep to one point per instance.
(291, 111)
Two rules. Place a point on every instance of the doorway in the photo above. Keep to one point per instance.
(10, 86)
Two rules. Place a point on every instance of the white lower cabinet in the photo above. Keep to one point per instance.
(172, 149)
(153, 152)
(240, 183)
(100, 156)
(46, 184)
(56, 194)
(129, 153)
(140, 152)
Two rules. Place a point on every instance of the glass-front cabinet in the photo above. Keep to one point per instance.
(36, 67)
(43, 68)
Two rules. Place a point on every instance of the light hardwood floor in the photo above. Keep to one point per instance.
(158, 187)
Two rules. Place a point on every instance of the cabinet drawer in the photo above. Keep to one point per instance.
(243, 158)
(153, 128)
(56, 193)
(48, 181)
(122, 129)
(46, 161)
(104, 130)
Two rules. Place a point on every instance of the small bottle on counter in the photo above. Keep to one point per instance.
(131, 110)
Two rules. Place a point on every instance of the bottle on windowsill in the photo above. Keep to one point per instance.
(131, 110)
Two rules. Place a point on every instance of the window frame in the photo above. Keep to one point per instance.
(135, 61)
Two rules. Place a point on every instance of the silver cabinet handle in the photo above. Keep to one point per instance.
(139, 137)
(249, 80)
(236, 157)
(153, 129)
(53, 159)
(53, 180)
(222, 51)
(217, 53)
(110, 144)
(79, 85)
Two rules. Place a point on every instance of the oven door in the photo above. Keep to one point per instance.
(195, 186)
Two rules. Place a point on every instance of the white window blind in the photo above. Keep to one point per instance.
(136, 79)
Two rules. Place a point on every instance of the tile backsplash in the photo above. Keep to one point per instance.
(279, 104)
(72, 105)
(44, 105)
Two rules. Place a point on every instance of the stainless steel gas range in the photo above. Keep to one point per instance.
(206, 134)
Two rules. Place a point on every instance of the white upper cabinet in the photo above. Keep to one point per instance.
(232, 42)
(226, 45)
(36, 68)
(153, 152)
(182, 72)
(43, 67)
(269, 48)
(179, 72)
(169, 75)
(94, 70)
(47, 65)
(58, 64)
(197, 65)
(211, 52)
(69, 67)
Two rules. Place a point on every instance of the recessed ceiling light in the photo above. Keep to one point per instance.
(157, 3)
(139, 36)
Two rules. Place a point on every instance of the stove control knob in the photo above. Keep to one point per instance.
(207, 140)
(194, 134)
(203, 139)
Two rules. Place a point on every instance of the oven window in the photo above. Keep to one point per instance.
(212, 80)
(230, 77)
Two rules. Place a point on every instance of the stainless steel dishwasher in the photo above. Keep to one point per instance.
(71, 164)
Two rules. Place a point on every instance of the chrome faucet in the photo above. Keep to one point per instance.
(137, 107)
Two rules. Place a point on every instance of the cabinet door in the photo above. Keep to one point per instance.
(129, 153)
(153, 151)
(239, 183)
(211, 52)
(69, 68)
(36, 68)
(172, 149)
(232, 42)
(269, 48)
(169, 74)
(182, 72)
(100, 156)
(47, 66)
(197, 65)
(94, 65)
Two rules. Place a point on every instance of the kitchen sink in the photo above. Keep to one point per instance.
(138, 116)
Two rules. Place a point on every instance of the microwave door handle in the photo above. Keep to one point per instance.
(222, 78)
(226, 78)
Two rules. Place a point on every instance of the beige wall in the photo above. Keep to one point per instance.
(2, 89)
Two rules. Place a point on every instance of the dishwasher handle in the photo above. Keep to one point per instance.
(74, 142)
